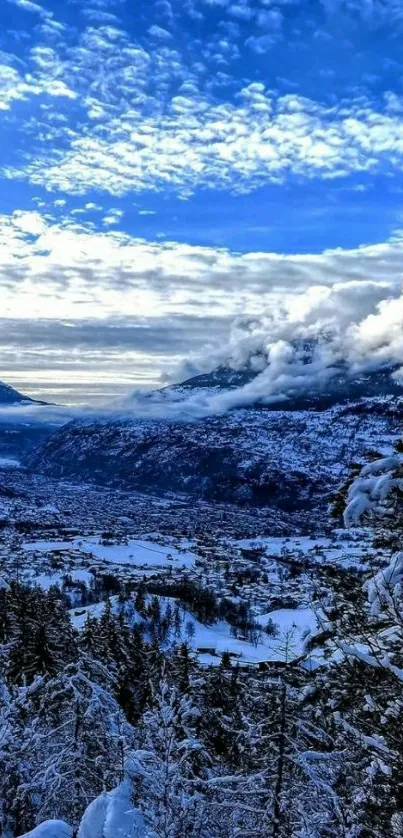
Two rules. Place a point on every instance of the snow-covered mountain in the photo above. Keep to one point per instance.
(342, 386)
(289, 459)
(222, 378)
(10, 396)
(19, 431)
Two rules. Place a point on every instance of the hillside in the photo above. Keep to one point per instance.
(290, 459)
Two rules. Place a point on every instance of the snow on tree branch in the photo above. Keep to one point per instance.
(373, 485)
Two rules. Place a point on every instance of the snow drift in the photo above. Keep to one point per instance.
(50, 829)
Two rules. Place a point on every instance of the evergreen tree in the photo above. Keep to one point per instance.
(168, 769)
(73, 734)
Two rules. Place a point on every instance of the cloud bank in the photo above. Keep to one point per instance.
(348, 330)
(89, 315)
(325, 333)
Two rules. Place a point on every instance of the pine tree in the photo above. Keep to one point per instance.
(222, 716)
(40, 636)
(72, 733)
(366, 695)
(181, 667)
(167, 770)
(296, 760)
(140, 601)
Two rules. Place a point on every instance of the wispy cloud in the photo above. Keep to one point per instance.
(29, 6)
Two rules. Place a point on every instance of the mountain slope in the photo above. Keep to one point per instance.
(10, 396)
(19, 432)
(289, 460)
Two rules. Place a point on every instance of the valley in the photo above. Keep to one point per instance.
(93, 542)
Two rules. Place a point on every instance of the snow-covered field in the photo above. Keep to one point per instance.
(9, 462)
(292, 626)
(210, 641)
(46, 580)
(337, 550)
(78, 616)
(137, 553)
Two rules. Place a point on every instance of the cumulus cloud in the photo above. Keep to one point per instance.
(235, 145)
(146, 114)
(348, 329)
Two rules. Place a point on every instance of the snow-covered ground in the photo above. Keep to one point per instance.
(210, 641)
(9, 462)
(137, 553)
(79, 615)
(292, 626)
(50, 829)
(46, 580)
(276, 545)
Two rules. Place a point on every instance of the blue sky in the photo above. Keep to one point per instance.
(148, 148)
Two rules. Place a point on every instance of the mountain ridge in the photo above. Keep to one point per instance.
(343, 386)
(10, 396)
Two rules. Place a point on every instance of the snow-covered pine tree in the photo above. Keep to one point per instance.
(73, 738)
(293, 755)
(168, 770)
(222, 720)
(366, 694)
(182, 667)
(40, 638)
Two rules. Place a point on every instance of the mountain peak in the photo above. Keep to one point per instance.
(10, 396)
(221, 378)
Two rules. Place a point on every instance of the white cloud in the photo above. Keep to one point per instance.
(234, 146)
(148, 119)
(242, 11)
(159, 33)
(17, 87)
(113, 217)
(375, 12)
(29, 6)
(261, 43)
(39, 258)
(29, 222)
